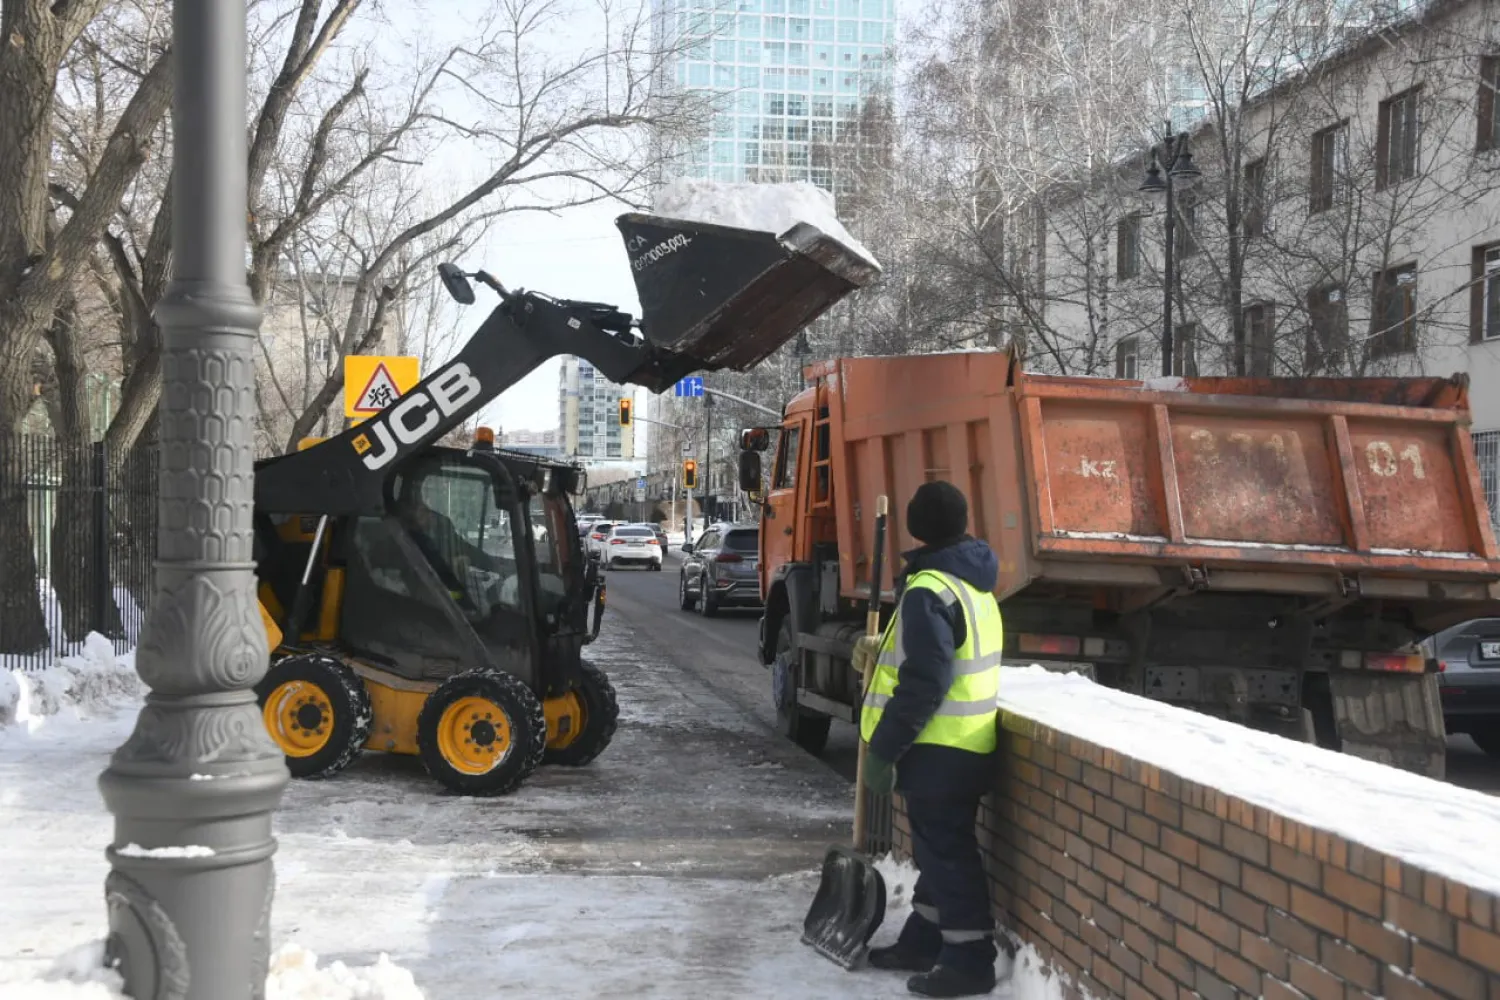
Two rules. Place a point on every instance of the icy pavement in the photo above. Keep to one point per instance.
(679, 864)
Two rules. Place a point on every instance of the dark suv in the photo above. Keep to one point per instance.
(721, 570)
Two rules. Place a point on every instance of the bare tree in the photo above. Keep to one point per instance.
(42, 252)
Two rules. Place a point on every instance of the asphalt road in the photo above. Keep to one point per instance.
(721, 652)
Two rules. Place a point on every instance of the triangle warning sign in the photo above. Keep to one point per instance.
(379, 392)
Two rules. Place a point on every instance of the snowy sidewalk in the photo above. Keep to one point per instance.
(679, 864)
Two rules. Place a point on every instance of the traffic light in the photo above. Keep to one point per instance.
(625, 405)
(689, 475)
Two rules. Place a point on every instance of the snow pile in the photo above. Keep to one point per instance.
(900, 882)
(79, 974)
(294, 975)
(771, 208)
(1437, 827)
(94, 683)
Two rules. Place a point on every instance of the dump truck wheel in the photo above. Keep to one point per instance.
(601, 717)
(317, 710)
(481, 733)
(809, 730)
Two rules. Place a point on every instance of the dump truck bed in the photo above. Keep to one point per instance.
(1350, 488)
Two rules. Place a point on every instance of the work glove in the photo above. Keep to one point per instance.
(880, 774)
(866, 650)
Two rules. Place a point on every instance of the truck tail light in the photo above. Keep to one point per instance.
(1398, 663)
(1058, 645)
(729, 557)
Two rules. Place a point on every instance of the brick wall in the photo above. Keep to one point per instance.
(1132, 882)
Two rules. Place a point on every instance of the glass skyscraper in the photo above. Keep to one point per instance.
(792, 80)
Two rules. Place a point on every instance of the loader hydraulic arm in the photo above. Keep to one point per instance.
(345, 474)
(712, 297)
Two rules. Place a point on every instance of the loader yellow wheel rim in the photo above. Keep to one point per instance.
(299, 717)
(566, 717)
(473, 735)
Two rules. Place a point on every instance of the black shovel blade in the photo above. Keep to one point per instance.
(848, 909)
(724, 297)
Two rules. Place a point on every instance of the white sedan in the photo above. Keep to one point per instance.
(632, 543)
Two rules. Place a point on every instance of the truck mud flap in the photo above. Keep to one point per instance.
(1394, 719)
(725, 297)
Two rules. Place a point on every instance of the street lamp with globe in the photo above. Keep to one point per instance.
(1169, 169)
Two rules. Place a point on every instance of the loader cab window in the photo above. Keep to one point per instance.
(449, 510)
(786, 460)
(553, 545)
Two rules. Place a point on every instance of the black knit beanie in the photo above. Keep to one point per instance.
(938, 514)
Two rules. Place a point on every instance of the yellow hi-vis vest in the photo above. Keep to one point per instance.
(966, 718)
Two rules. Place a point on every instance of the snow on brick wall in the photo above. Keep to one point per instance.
(1144, 850)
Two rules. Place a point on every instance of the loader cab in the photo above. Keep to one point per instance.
(471, 563)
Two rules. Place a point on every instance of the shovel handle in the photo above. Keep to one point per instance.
(872, 627)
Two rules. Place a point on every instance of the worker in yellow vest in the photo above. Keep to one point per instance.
(929, 717)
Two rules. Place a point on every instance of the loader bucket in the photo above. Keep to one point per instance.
(725, 297)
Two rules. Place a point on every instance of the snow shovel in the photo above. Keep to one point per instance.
(850, 903)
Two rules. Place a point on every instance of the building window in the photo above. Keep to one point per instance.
(1394, 313)
(1487, 453)
(1127, 357)
(1484, 294)
(1330, 161)
(1488, 109)
(1128, 246)
(1327, 327)
(1396, 145)
(1253, 198)
(1185, 350)
(1260, 323)
(1185, 233)
(321, 350)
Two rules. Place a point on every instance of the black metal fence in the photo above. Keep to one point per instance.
(77, 547)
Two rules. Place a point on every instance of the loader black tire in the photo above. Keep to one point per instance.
(317, 711)
(601, 717)
(807, 729)
(481, 733)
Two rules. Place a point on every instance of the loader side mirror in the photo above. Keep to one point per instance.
(750, 470)
(456, 283)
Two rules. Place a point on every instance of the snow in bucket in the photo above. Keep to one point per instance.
(771, 208)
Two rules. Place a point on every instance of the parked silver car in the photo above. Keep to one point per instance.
(1468, 656)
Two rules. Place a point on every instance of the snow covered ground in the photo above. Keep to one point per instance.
(679, 865)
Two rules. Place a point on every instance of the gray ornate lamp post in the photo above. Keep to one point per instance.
(194, 787)
(1171, 157)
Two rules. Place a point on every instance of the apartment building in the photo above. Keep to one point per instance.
(1347, 222)
(588, 414)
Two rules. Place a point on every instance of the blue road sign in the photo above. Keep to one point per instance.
(690, 387)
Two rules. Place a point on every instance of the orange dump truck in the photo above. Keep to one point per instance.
(1266, 550)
